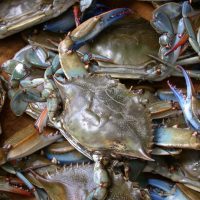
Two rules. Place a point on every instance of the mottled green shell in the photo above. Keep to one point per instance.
(100, 114)
(127, 42)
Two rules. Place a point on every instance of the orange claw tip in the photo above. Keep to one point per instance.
(181, 42)
(42, 120)
(76, 11)
(20, 191)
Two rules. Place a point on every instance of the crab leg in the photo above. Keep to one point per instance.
(64, 153)
(21, 99)
(10, 169)
(25, 142)
(191, 60)
(10, 185)
(93, 26)
(70, 62)
(76, 12)
(189, 104)
(174, 70)
(181, 42)
(87, 57)
(162, 23)
(162, 168)
(186, 10)
(162, 109)
(145, 72)
(176, 138)
(42, 120)
(162, 190)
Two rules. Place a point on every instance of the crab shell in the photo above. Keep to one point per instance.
(76, 181)
(101, 116)
(127, 42)
(19, 15)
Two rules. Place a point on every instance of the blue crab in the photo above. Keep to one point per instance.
(17, 16)
(98, 115)
(131, 45)
(172, 20)
(181, 168)
(76, 182)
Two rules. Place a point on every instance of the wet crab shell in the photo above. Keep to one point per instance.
(76, 181)
(19, 15)
(127, 42)
(101, 115)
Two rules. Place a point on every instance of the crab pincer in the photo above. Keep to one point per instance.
(190, 104)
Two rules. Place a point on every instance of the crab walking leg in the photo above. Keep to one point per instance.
(190, 104)
(176, 137)
(172, 58)
(176, 71)
(187, 61)
(42, 120)
(186, 10)
(181, 42)
(162, 190)
(161, 167)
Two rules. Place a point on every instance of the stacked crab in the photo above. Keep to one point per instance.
(105, 141)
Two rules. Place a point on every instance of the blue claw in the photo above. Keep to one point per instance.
(163, 190)
(186, 9)
(97, 25)
(162, 23)
(95, 9)
(189, 103)
(20, 100)
(66, 21)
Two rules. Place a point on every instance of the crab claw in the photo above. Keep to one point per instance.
(189, 103)
(93, 26)
(162, 23)
(14, 185)
(69, 60)
(163, 190)
(20, 100)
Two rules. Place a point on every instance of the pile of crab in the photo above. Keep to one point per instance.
(93, 80)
